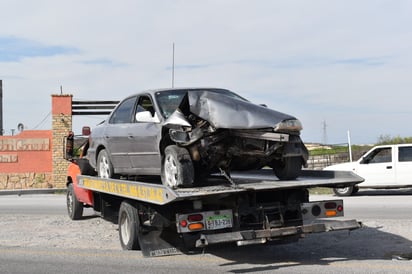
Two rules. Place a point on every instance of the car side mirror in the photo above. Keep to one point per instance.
(365, 160)
(146, 117)
(68, 146)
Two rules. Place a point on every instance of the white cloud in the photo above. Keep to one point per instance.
(344, 62)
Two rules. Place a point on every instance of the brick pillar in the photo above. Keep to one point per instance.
(61, 125)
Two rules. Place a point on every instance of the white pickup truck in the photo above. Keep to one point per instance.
(385, 167)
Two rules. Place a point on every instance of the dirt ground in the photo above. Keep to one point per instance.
(384, 239)
(379, 239)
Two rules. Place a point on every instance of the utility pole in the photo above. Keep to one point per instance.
(325, 134)
(173, 66)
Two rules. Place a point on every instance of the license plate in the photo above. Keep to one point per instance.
(218, 222)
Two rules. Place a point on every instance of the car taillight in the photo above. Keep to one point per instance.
(330, 205)
(192, 222)
(183, 223)
(195, 218)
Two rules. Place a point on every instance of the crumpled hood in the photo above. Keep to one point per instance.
(223, 111)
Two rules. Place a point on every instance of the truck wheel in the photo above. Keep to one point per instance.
(288, 168)
(177, 167)
(343, 191)
(129, 226)
(74, 207)
(104, 165)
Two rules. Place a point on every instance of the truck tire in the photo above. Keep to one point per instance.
(74, 207)
(104, 165)
(177, 167)
(288, 168)
(343, 191)
(129, 226)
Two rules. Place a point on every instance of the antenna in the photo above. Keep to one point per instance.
(61, 90)
(173, 66)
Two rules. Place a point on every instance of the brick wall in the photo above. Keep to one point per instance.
(61, 125)
(25, 160)
(34, 158)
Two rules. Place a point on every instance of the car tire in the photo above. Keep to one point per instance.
(129, 226)
(104, 165)
(288, 168)
(74, 207)
(85, 167)
(177, 167)
(343, 191)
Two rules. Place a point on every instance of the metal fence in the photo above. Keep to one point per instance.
(318, 162)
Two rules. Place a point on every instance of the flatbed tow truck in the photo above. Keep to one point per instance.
(254, 208)
(245, 208)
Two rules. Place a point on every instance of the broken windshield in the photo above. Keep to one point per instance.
(170, 100)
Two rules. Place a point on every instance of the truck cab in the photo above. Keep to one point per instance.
(382, 167)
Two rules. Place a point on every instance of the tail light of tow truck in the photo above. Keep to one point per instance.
(322, 209)
(207, 220)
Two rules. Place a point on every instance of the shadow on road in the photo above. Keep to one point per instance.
(318, 249)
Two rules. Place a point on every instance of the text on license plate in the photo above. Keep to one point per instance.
(218, 222)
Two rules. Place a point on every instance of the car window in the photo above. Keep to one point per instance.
(145, 104)
(123, 114)
(380, 155)
(405, 154)
(169, 101)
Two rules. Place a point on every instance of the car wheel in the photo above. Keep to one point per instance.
(85, 167)
(104, 165)
(74, 207)
(343, 191)
(288, 168)
(129, 226)
(177, 167)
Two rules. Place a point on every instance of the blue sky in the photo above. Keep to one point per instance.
(346, 64)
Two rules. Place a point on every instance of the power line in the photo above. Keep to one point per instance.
(42, 121)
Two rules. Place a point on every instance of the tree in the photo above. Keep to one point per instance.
(388, 140)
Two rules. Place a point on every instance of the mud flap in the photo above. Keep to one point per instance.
(154, 243)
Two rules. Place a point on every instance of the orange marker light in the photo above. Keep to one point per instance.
(330, 213)
(196, 226)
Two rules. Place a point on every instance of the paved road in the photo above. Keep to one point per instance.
(37, 237)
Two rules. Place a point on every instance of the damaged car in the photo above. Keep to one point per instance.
(186, 134)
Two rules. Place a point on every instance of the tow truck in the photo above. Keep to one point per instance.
(247, 208)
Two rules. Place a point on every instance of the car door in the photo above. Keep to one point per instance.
(117, 132)
(404, 165)
(144, 138)
(377, 167)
